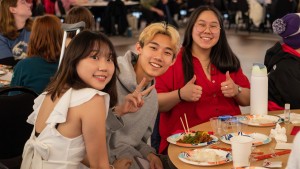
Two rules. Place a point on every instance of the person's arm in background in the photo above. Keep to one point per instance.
(6, 56)
(17, 76)
(150, 5)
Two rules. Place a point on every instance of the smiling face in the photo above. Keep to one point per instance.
(97, 69)
(206, 30)
(155, 57)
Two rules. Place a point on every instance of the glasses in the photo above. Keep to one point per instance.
(213, 28)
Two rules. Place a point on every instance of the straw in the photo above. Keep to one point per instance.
(183, 125)
(187, 124)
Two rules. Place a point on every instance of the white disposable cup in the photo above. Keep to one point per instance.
(216, 126)
(241, 150)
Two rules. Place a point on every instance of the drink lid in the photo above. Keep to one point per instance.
(259, 70)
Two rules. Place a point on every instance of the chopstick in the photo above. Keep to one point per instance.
(262, 157)
(187, 129)
(182, 125)
(187, 124)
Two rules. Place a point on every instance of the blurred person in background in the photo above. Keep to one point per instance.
(205, 81)
(38, 8)
(159, 10)
(49, 6)
(279, 8)
(77, 14)
(44, 47)
(15, 28)
(283, 64)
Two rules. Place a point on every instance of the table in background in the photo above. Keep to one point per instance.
(5, 78)
(174, 150)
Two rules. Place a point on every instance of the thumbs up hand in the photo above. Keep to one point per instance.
(191, 92)
(228, 87)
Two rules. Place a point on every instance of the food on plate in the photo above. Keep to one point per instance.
(205, 155)
(261, 120)
(195, 137)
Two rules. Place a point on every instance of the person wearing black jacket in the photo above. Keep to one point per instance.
(283, 64)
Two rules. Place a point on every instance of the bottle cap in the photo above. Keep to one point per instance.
(259, 70)
(287, 106)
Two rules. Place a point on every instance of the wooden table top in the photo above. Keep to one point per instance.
(174, 150)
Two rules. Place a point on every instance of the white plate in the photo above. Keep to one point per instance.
(188, 156)
(260, 120)
(2, 72)
(258, 138)
(175, 137)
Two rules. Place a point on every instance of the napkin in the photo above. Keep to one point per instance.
(279, 133)
(283, 146)
(272, 164)
(294, 118)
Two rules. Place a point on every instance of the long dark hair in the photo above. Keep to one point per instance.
(79, 48)
(221, 54)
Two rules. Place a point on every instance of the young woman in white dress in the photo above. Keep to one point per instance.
(69, 117)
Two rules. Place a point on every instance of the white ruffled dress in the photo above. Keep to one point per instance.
(51, 150)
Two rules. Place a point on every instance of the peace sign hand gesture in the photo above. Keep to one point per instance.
(133, 101)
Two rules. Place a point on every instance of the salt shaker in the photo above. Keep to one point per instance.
(287, 113)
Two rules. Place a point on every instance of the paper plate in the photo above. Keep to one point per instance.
(175, 137)
(191, 157)
(260, 120)
(4, 83)
(2, 72)
(258, 138)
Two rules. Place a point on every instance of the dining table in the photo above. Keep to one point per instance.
(5, 75)
(175, 150)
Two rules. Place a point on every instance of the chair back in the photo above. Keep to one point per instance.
(14, 111)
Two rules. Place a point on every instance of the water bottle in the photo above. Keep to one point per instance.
(287, 113)
(259, 90)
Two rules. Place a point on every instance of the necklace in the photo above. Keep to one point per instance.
(207, 66)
